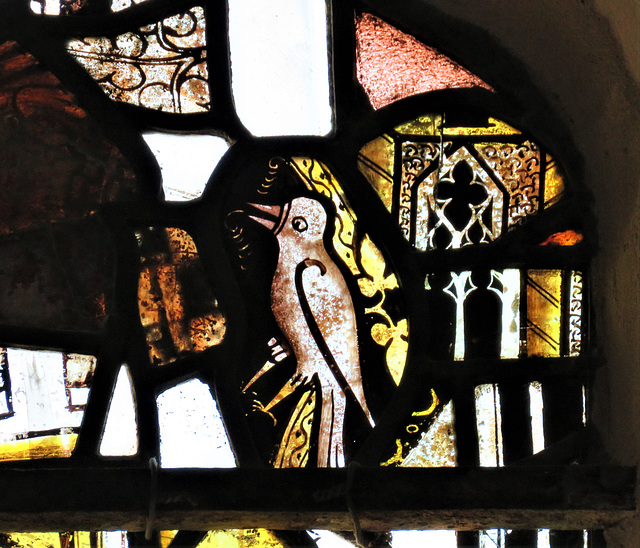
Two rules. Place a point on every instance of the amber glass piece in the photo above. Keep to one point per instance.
(544, 300)
(41, 285)
(241, 538)
(47, 393)
(493, 127)
(392, 65)
(56, 162)
(166, 537)
(568, 237)
(161, 66)
(177, 307)
(375, 161)
(296, 442)
(554, 185)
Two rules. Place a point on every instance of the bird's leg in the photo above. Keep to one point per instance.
(278, 353)
(331, 438)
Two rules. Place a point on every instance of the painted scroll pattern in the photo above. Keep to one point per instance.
(575, 313)
(161, 66)
(518, 168)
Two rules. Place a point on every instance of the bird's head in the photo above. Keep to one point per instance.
(300, 219)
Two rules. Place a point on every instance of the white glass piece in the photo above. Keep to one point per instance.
(585, 538)
(280, 66)
(459, 289)
(328, 539)
(489, 425)
(536, 411)
(113, 539)
(186, 162)
(510, 297)
(437, 446)
(39, 395)
(412, 539)
(192, 434)
(492, 538)
(120, 436)
(543, 538)
(584, 405)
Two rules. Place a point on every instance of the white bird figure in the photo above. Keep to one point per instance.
(312, 305)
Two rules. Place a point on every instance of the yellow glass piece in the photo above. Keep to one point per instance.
(544, 312)
(375, 161)
(45, 447)
(430, 124)
(394, 336)
(434, 403)
(166, 537)
(496, 127)
(317, 177)
(553, 182)
(34, 540)
(294, 448)
(241, 538)
(566, 238)
(82, 539)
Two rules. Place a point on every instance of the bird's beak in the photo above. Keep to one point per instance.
(270, 216)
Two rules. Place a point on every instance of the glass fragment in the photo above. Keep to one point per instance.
(178, 310)
(43, 422)
(77, 167)
(447, 187)
(192, 434)
(554, 186)
(57, 7)
(161, 66)
(392, 65)
(186, 162)
(544, 312)
(509, 278)
(413, 539)
(437, 446)
(544, 540)
(375, 161)
(518, 169)
(312, 305)
(74, 539)
(166, 538)
(568, 237)
(120, 435)
(329, 539)
(575, 313)
(281, 87)
(459, 288)
(492, 538)
(241, 538)
(41, 285)
(489, 425)
(119, 5)
(537, 415)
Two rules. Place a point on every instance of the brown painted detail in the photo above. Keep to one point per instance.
(59, 277)
(56, 162)
(557, 497)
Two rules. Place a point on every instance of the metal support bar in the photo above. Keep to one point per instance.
(523, 497)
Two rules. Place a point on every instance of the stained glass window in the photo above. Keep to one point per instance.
(335, 248)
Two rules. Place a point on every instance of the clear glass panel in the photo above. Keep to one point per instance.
(45, 402)
(119, 5)
(161, 66)
(543, 538)
(537, 416)
(437, 446)
(57, 7)
(281, 84)
(328, 539)
(186, 162)
(544, 298)
(492, 538)
(192, 434)
(120, 435)
(392, 65)
(414, 539)
(178, 310)
(489, 425)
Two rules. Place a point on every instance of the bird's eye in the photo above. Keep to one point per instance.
(299, 224)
